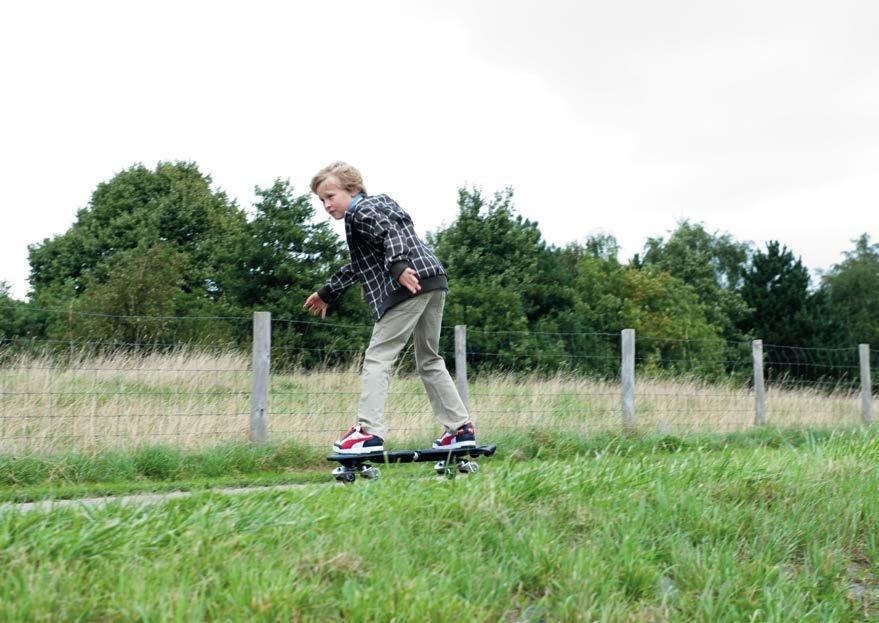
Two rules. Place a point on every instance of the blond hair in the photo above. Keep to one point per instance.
(343, 174)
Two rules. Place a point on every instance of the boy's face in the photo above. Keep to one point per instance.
(334, 198)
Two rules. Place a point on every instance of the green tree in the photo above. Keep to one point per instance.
(150, 241)
(142, 301)
(489, 241)
(488, 238)
(852, 288)
(505, 281)
(776, 288)
(286, 256)
(10, 314)
(711, 264)
(142, 208)
(674, 332)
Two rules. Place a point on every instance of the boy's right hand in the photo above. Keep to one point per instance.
(316, 304)
(409, 280)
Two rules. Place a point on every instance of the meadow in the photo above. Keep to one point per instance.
(195, 399)
(694, 514)
(763, 526)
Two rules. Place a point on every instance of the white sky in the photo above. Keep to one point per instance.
(757, 118)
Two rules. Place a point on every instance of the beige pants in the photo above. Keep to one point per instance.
(422, 315)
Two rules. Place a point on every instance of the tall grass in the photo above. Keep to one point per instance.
(194, 398)
(681, 532)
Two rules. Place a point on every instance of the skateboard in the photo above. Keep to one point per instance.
(352, 465)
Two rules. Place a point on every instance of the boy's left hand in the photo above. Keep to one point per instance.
(409, 279)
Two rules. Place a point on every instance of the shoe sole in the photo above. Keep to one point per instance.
(356, 451)
(456, 446)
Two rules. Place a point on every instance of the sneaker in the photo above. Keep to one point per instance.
(464, 437)
(358, 441)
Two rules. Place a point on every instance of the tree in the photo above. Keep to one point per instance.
(150, 241)
(711, 264)
(142, 302)
(504, 280)
(489, 239)
(284, 257)
(490, 242)
(776, 288)
(664, 311)
(139, 208)
(852, 288)
(10, 314)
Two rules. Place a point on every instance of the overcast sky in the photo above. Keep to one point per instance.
(760, 119)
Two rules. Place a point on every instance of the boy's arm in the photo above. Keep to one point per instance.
(337, 284)
(375, 225)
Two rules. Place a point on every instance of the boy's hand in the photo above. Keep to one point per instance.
(316, 304)
(409, 280)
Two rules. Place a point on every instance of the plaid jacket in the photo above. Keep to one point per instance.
(383, 243)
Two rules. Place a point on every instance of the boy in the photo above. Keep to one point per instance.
(405, 286)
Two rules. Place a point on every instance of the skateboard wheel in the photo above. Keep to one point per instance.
(468, 467)
(440, 468)
(370, 473)
(346, 477)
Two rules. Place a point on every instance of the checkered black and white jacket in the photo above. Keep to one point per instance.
(383, 243)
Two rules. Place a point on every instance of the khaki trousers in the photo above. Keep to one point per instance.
(421, 314)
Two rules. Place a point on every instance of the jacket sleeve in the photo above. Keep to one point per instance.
(384, 232)
(337, 284)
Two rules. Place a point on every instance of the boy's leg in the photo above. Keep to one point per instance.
(447, 405)
(389, 336)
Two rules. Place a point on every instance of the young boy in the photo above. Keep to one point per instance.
(405, 285)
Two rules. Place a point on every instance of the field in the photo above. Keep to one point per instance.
(693, 514)
(195, 399)
(770, 526)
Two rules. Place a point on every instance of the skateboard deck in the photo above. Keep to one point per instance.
(351, 465)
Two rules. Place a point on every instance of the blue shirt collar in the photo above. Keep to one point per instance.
(355, 200)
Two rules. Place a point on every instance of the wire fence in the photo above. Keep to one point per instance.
(190, 381)
(125, 380)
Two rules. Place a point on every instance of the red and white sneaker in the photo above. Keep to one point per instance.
(358, 441)
(463, 437)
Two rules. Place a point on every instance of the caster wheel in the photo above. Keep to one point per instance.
(344, 477)
(370, 473)
(468, 467)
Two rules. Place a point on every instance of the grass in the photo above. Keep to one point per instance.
(692, 515)
(37, 493)
(193, 399)
(119, 471)
(774, 525)
(154, 468)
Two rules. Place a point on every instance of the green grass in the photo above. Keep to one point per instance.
(154, 463)
(769, 526)
(157, 468)
(35, 493)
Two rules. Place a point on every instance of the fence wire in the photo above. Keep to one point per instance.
(184, 381)
(686, 385)
(103, 380)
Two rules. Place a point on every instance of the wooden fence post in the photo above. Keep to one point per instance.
(628, 377)
(259, 404)
(866, 384)
(759, 389)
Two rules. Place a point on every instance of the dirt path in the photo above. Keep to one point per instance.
(145, 498)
